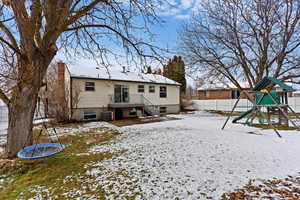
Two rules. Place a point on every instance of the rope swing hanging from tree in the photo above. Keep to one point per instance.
(41, 150)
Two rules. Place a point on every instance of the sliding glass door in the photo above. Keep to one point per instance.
(121, 94)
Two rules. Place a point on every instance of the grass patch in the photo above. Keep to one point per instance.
(226, 114)
(24, 178)
(262, 126)
(134, 121)
(278, 127)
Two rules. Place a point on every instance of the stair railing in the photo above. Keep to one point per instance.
(150, 107)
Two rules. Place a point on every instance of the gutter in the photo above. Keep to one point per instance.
(80, 77)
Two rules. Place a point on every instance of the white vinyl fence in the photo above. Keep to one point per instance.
(243, 105)
(3, 118)
(39, 114)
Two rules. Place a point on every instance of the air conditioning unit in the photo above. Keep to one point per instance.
(106, 115)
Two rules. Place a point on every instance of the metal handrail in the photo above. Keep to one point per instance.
(150, 105)
(132, 99)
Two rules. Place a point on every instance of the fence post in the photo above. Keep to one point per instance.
(294, 104)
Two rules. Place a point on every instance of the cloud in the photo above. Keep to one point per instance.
(187, 3)
(180, 9)
(182, 16)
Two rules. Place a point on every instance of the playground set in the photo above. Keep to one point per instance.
(270, 102)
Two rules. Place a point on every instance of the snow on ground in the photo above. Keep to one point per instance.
(70, 129)
(192, 158)
(187, 159)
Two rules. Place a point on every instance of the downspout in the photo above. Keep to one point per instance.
(71, 97)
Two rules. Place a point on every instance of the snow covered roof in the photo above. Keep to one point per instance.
(119, 75)
(220, 85)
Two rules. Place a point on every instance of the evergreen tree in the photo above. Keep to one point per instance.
(149, 70)
(175, 70)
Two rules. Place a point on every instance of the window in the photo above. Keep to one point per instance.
(162, 109)
(89, 86)
(151, 89)
(235, 94)
(163, 91)
(206, 93)
(133, 112)
(141, 88)
(89, 114)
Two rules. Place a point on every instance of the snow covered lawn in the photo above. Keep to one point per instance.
(192, 158)
(61, 130)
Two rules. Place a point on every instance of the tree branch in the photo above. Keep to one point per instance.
(123, 37)
(4, 97)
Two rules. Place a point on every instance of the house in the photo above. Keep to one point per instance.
(220, 91)
(296, 93)
(119, 92)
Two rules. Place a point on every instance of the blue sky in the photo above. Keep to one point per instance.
(174, 13)
(166, 34)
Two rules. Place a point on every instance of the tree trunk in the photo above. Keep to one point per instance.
(21, 113)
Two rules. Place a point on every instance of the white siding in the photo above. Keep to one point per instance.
(105, 88)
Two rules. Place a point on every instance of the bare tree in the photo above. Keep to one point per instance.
(58, 97)
(32, 31)
(243, 40)
(76, 90)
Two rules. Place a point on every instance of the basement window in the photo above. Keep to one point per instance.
(89, 114)
(133, 112)
(162, 109)
(89, 86)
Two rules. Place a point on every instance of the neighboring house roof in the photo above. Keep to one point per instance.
(261, 85)
(220, 85)
(266, 81)
(118, 75)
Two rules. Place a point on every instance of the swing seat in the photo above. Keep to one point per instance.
(261, 121)
(38, 151)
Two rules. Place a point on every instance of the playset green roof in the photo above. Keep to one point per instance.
(265, 82)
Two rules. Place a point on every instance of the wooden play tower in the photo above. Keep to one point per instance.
(270, 101)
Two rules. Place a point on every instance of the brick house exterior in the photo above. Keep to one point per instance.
(220, 91)
(223, 93)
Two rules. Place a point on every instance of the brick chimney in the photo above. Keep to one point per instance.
(61, 77)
